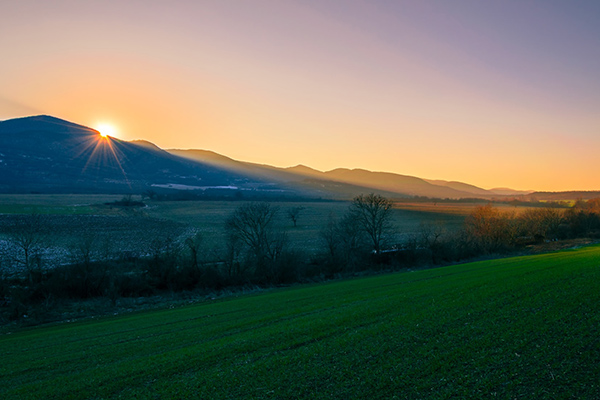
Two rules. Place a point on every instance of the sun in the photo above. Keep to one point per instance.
(106, 129)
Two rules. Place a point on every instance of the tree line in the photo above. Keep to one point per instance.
(257, 252)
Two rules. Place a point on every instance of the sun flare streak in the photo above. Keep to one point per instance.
(101, 150)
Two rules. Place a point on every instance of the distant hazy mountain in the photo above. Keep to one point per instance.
(340, 182)
(460, 186)
(510, 192)
(465, 187)
(407, 185)
(47, 154)
(300, 180)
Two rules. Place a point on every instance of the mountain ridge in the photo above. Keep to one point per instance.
(46, 153)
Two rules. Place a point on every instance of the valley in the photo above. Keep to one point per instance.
(299, 200)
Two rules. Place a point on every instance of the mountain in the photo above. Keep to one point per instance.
(47, 154)
(407, 185)
(510, 192)
(301, 180)
(304, 170)
(338, 183)
(460, 186)
(50, 155)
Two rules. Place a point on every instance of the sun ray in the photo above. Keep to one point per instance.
(116, 157)
(101, 150)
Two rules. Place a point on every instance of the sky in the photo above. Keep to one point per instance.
(495, 94)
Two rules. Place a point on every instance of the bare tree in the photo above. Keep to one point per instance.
(541, 223)
(352, 243)
(343, 241)
(83, 249)
(429, 234)
(149, 193)
(491, 228)
(164, 256)
(27, 233)
(89, 273)
(232, 255)
(373, 214)
(430, 238)
(252, 225)
(294, 213)
(330, 237)
(194, 245)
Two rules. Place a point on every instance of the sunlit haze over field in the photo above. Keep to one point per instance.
(496, 94)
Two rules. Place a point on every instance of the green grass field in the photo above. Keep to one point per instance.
(525, 327)
(62, 204)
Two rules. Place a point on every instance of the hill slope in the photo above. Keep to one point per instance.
(341, 182)
(522, 327)
(300, 179)
(44, 153)
(408, 185)
(47, 154)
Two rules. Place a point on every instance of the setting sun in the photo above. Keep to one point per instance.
(106, 129)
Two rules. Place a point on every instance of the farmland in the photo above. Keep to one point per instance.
(465, 208)
(131, 228)
(524, 327)
(209, 218)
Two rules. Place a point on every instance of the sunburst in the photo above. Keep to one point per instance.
(106, 129)
(101, 149)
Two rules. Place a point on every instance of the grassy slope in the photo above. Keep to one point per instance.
(514, 328)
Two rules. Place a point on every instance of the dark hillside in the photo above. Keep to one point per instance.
(47, 154)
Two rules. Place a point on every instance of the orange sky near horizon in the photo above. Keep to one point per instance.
(495, 95)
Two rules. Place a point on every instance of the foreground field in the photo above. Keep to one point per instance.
(523, 327)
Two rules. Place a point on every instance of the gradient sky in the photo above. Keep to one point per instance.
(496, 94)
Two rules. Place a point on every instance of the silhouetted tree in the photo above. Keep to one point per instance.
(294, 213)
(352, 240)
(329, 235)
(83, 249)
(583, 218)
(233, 250)
(149, 193)
(373, 215)
(87, 276)
(27, 233)
(252, 225)
(162, 265)
(194, 245)
(343, 242)
(540, 223)
(430, 237)
(492, 229)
